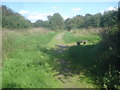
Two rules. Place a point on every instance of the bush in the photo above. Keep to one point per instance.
(109, 55)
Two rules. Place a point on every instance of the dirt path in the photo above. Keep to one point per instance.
(68, 80)
(57, 40)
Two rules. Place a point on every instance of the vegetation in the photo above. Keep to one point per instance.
(13, 20)
(98, 61)
(26, 61)
(42, 58)
(90, 35)
(41, 23)
(56, 21)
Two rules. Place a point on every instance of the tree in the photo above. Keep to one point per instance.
(78, 21)
(86, 20)
(94, 20)
(68, 24)
(109, 19)
(49, 17)
(12, 20)
(41, 23)
(56, 22)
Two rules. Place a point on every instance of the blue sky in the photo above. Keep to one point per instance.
(40, 10)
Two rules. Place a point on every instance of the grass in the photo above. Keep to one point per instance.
(31, 59)
(79, 35)
(83, 59)
(24, 65)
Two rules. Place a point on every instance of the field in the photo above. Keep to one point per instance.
(60, 45)
(47, 59)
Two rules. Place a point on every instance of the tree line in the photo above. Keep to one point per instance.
(56, 22)
(13, 20)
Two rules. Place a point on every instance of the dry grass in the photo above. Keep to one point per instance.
(25, 31)
(90, 35)
(41, 30)
(88, 31)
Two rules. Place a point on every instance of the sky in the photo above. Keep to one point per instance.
(40, 10)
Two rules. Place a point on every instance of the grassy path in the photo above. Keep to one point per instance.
(71, 81)
(57, 40)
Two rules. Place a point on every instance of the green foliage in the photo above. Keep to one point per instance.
(56, 22)
(13, 20)
(119, 15)
(74, 23)
(68, 24)
(41, 23)
(109, 19)
(99, 61)
(109, 57)
(0, 17)
(109, 52)
(97, 20)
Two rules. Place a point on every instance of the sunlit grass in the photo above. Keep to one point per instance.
(30, 59)
(24, 64)
(78, 35)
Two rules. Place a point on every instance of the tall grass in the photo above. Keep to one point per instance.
(24, 64)
(78, 35)
(30, 59)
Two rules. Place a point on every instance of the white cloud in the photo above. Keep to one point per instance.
(36, 16)
(76, 9)
(23, 12)
(111, 8)
(54, 7)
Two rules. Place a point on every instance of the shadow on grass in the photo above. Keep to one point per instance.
(81, 60)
